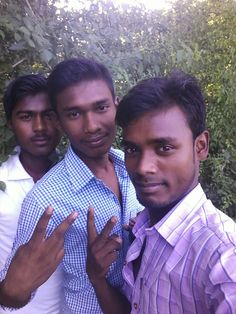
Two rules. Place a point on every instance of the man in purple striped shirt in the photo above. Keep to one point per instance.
(183, 257)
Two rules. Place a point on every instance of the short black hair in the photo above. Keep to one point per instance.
(179, 89)
(73, 71)
(21, 87)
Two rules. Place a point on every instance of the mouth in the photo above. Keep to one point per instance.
(40, 140)
(95, 141)
(149, 187)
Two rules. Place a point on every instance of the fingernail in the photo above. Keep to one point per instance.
(75, 214)
(114, 219)
(49, 210)
(90, 208)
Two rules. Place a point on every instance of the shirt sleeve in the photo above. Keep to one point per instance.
(221, 291)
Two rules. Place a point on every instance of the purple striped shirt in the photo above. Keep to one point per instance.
(189, 261)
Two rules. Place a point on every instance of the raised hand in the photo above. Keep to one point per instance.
(102, 248)
(35, 261)
(102, 252)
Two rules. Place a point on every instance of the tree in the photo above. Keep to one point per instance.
(134, 43)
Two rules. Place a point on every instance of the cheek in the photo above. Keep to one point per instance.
(109, 122)
(22, 129)
(70, 128)
(185, 173)
(183, 166)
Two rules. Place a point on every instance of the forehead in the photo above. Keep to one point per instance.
(83, 93)
(156, 124)
(38, 102)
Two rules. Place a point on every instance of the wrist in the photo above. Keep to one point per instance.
(13, 296)
(97, 282)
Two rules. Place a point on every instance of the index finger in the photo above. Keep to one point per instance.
(108, 227)
(91, 229)
(40, 229)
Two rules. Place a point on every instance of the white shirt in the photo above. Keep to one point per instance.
(18, 183)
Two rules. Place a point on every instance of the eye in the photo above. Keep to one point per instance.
(130, 150)
(73, 115)
(102, 108)
(25, 116)
(165, 148)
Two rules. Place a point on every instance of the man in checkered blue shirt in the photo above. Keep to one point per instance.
(92, 173)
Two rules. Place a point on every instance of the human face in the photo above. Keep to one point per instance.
(35, 126)
(87, 115)
(162, 158)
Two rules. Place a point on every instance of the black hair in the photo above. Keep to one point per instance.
(179, 89)
(21, 87)
(76, 70)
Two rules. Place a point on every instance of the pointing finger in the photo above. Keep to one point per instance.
(40, 229)
(91, 229)
(108, 227)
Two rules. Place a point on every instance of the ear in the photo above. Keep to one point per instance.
(117, 100)
(202, 145)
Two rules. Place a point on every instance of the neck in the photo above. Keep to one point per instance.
(96, 164)
(157, 213)
(36, 167)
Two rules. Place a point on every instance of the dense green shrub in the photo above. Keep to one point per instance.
(195, 36)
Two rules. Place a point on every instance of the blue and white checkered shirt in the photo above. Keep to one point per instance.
(68, 186)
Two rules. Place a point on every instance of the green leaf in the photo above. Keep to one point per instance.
(24, 30)
(2, 34)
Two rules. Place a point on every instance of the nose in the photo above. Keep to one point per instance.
(91, 124)
(147, 164)
(39, 123)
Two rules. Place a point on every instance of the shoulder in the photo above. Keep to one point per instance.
(50, 182)
(210, 235)
(117, 153)
(8, 165)
(204, 231)
(218, 223)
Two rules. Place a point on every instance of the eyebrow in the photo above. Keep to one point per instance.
(96, 103)
(161, 140)
(32, 111)
(101, 102)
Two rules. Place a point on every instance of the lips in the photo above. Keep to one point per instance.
(40, 140)
(149, 187)
(95, 141)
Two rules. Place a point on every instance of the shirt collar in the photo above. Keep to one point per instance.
(172, 225)
(13, 169)
(79, 173)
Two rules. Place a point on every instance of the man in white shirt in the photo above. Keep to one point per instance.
(30, 117)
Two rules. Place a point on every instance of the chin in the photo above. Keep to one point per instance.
(153, 203)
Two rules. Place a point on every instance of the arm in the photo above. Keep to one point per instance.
(102, 252)
(220, 291)
(34, 262)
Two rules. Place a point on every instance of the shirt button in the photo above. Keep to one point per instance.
(135, 306)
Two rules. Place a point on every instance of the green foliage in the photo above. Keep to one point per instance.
(195, 36)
